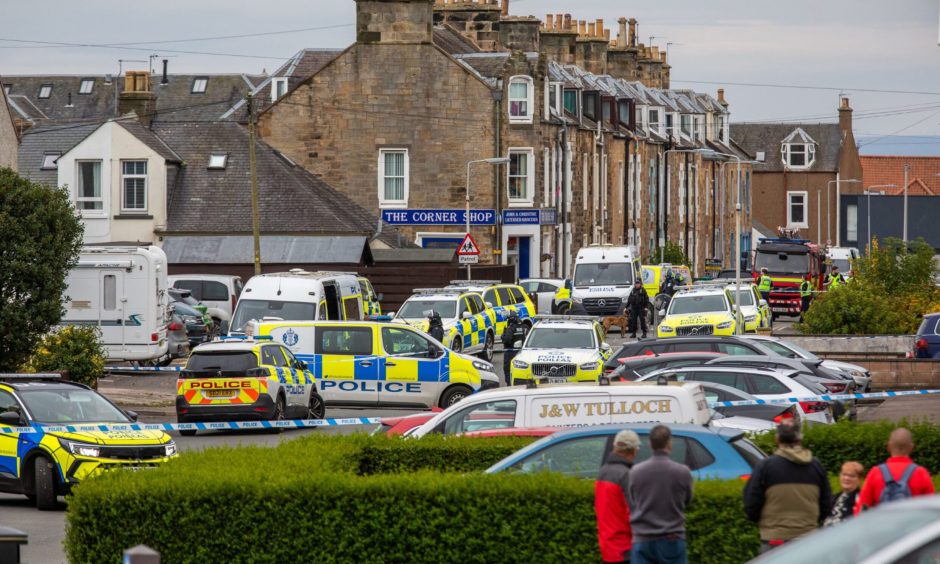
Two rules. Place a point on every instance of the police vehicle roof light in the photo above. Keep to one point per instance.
(556, 317)
(475, 282)
(437, 290)
(263, 338)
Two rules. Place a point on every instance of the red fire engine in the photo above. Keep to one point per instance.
(788, 261)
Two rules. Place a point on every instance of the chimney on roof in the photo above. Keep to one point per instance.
(599, 27)
(845, 116)
(721, 97)
(138, 97)
(582, 28)
(549, 21)
(559, 22)
(591, 29)
(622, 33)
(164, 80)
(505, 10)
(631, 38)
(394, 21)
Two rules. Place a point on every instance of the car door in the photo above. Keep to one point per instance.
(481, 416)
(521, 303)
(416, 369)
(931, 334)
(350, 369)
(298, 392)
(580, 457)
(9, 441)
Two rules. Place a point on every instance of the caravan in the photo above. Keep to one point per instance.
(122, 290)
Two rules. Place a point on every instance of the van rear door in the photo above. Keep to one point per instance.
(577, 409)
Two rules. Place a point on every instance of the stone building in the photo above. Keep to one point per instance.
(9, 137)
(599, 150)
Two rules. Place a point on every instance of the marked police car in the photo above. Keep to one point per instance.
(370, 363)
(699, 311)
(561, 349)
(245, 378)
(503, 298)
(755, 312)
(469, 324)
(45, 464)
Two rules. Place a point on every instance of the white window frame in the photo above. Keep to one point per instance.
(200, 85)
(698, 125)
(724, 128)
(50, 160)
(851, 222)
(78, 189)
(656, 126)
(383, 201)
(685, 120)
(682, 193)
(546, 175)
(125, 177)
(529, 176)
(45, 91)
(529, 99)
(556, 88)
(217, 161)
(809, 150)
(86, 86)
(276, 83)
(805, 223)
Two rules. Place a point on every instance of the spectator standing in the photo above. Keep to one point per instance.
(659, 491)
(788, 494)
(843, 505)
(610, 499)
(898, 478)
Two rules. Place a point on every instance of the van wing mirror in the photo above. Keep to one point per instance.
(224, 327)
(762, 303)
(466, 315)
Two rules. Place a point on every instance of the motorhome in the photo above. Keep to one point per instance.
(121, 290)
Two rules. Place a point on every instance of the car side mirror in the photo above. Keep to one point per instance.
(132, 415)
(224, 327)
(301, 365)
(489, 305)
(762, 303)
(662, 313)
(379, 297)
(10, 418)
(466, 315)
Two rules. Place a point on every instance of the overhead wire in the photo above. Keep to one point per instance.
(806, 87)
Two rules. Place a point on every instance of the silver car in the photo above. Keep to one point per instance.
(860, 374)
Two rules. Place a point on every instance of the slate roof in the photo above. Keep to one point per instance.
(767, 137)
(275, 249)
(452, 41)
(921, 179)
(41, 139)
(219, 201)
(147, 137)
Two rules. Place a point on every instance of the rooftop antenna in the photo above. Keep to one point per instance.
(155, 56)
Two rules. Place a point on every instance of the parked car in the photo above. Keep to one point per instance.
(633, 367)
(724, 345)
(899, 532)
(177, 340)
(788, 349)
(927, 341)
(218, 292)
(768, 412)
(542, 291)
(401, 424)
(709, 453)
(197, 331)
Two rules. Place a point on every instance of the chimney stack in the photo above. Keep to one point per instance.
(721, 97)
(582, 28)
(395, 21)
(599, 27)
(631, 38)
(505, 7)
(591, 29)
(164, 80)
(845, 116)
(568, 23)
(622, 33)
(138, 96)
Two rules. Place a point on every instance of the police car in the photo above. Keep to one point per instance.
(561, 349)
(370, 363)
(754, 310)
(43, 465)
(469, 324)
(503, 298)
(245, 378)
(698, 311)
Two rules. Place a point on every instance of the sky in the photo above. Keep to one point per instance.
(834, 47)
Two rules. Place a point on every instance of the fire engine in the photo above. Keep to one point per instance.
(788, 260)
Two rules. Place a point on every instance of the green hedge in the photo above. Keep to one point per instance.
(438, 453)
(864, 442)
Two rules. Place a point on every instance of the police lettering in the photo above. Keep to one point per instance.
(371, 386)
(225, 385)
(604, 408)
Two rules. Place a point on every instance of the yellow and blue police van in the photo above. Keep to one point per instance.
(561, 349)
(244, 378)
(379, 364)
(298, 294)
(503, 298)
(696, 311)
(470, 325)
(44, 464)
(370, 300)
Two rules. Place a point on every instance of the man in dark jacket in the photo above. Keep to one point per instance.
(637, 304)
(610, 499)
(435, 326)
(513, 335)
(788, 494)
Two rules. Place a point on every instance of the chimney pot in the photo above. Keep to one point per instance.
(559, 22)
(591, 29)
(654, 52)
(844, 103)
(164, 80)
(622, 33)
(662, 57)
(549, 20)
(631, 38)
(582, 28)
(599, 27)
(721, 95)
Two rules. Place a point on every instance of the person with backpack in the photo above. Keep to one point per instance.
(897, 478)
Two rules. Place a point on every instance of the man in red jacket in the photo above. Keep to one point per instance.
(909, 479)
(610, 499)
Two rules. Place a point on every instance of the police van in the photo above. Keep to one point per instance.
(503, 298)
(469, 323)
(298, 295)
(604, 277)
(571, 405)
(561, 349)
(371, 301)
(239, 378)
(370, 363)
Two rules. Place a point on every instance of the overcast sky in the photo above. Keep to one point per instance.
(850, 45)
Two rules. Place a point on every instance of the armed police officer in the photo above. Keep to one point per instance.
(637, 304)
(435, 326)
(513, 333)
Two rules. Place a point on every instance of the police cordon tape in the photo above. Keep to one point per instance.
(825, 397)
(209, 426)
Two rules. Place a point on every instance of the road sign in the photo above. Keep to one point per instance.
(468, 259)
(468, 246)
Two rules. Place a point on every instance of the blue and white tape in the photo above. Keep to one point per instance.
(143, 368)
(824, 397)
(209, 426)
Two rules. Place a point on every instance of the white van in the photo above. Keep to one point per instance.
(843, 258)
(568, 405)
(122, 290)
(218, 292)
(603, 278)
(298, 295)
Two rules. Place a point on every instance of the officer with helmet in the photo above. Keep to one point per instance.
(513, 333)
(435, 326)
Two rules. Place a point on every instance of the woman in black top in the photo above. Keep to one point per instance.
(850, 478)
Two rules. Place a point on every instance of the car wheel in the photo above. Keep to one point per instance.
(279, 408)
(44, 478)
(316, 409)
(454, 394)
(487, 353)
(456, 344)
(187, 432)
(215, 329)
(563, 308)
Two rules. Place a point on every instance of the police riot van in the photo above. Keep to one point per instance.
(372, 363)
(603, 278)
(121, 290)
(572, 405)
(298, 295)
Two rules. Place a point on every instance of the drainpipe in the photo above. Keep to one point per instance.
(498, 151)
(565, 184)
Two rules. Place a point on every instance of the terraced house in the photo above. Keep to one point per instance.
(599, 149)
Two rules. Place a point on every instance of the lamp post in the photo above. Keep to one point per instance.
(868, 193)
(496, 161)
(837, 182)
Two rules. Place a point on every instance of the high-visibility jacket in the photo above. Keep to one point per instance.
(806, 289)
(763, 283)
(835, 280)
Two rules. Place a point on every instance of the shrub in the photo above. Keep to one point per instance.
(436, 452)
(672, 253)
(73, 349)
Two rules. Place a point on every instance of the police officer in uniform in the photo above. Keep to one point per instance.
(835, 278)
(806, 294)
(435, 326)
(512, 334)
(637, 304)
(764, 284)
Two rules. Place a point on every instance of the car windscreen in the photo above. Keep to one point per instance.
(789, 350)
(416, 309)
(682, 305)
(782, 263)
(558, 338)
(747, 297)
(259, 309)
(608, 274)
(70, 406)
(229, 361)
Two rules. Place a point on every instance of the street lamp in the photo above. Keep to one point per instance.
(495, 161)
(829, 214)
(868, 192)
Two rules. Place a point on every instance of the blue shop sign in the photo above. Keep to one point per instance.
(543, 216)
(438, 217)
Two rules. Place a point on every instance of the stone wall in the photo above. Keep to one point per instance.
(9, 142)
(902, 374)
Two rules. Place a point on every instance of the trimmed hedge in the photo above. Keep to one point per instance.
(864, 442)
(439, 453)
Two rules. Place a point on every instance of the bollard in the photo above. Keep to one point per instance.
(141, 554)
(10, 541)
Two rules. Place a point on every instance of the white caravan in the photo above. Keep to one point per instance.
(122, 290)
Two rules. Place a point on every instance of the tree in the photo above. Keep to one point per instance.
(670, 253)
(40, 238)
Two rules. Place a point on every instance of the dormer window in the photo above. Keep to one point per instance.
(685, 123)
(45, 91)
(589, 102)
(798, 150)
(200, 84)
(670, 125)
(278, 88)
(554, 99)
(571, 102)
(623, 112)
(655, 120)
(520, 99)
(698, 128)
(49, 161)
(87, 85)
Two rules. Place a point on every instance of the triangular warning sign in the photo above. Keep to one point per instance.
(468, 246)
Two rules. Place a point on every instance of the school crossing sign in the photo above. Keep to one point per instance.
(468, 252)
